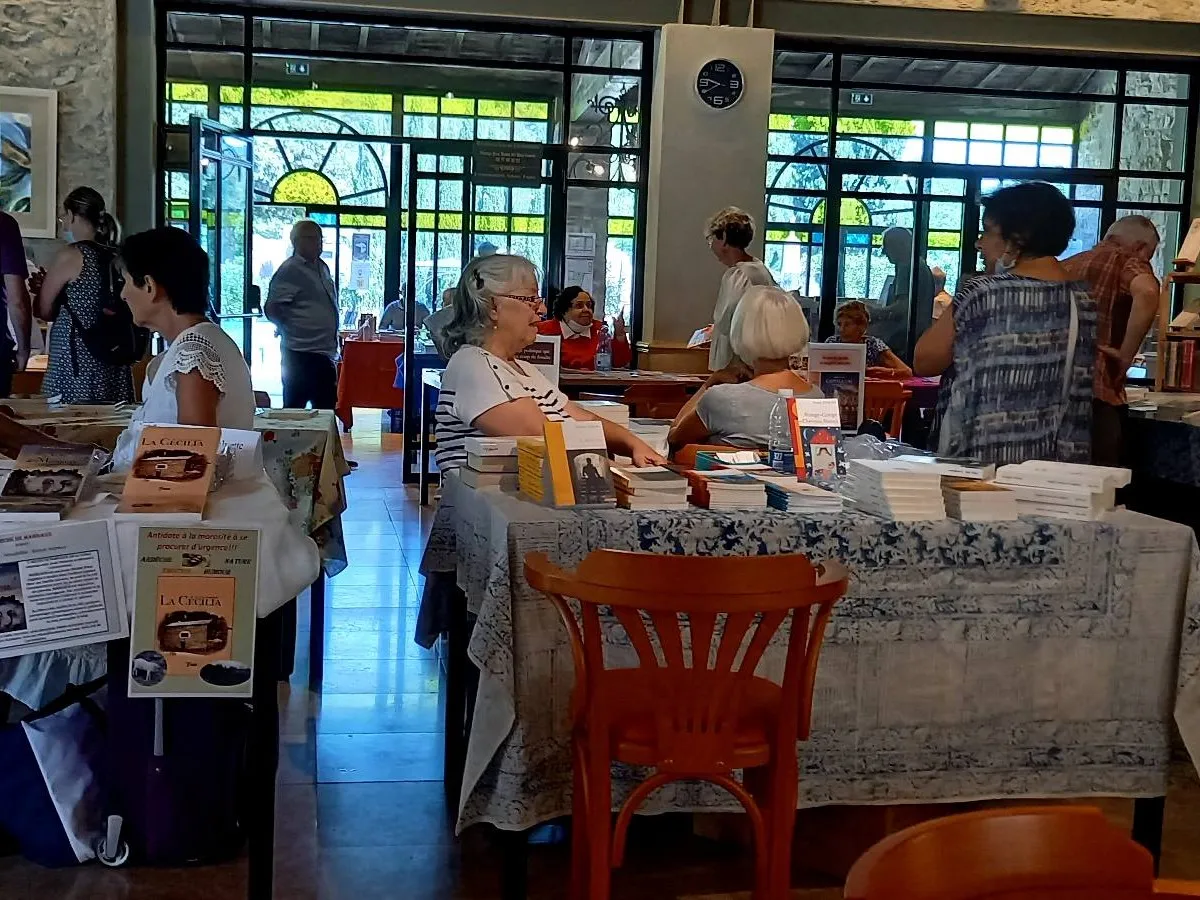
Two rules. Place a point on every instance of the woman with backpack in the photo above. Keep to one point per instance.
(79, 291)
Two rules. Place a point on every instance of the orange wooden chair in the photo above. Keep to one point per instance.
(689, 716)
(1067, 852)
(884, 396)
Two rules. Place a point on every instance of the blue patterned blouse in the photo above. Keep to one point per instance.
(1001, 399)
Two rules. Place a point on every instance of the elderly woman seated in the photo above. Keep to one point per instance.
(768, 328)
(486, 391)
(853, 318)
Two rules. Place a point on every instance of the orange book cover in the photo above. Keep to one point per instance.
(171, 473)
(797, 439)
(194, 620)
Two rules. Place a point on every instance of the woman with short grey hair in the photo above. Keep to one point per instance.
(769, 327)
(486, 390)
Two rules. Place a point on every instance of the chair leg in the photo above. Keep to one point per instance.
(599, 825)
(757, 782)
(781, 825)
(580, 845)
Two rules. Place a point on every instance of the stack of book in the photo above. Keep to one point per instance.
(652, 487)
(531, 467)
(709, 460)
(46, 482)
(612, 410)
(785, 493)
(904, 492)
(491, 463)
(1063, 490)
(727, 489)
(973, 500)
(954, 466)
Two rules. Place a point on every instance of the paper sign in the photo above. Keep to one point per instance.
(840, 372)
(544, 354)
(60, 586)
(194, 613)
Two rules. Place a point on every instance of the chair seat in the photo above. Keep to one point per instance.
(633, 736)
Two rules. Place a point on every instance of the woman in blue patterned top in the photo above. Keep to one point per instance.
(853, 319)
(1017, 350)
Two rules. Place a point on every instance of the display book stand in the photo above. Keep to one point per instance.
(1178, 357)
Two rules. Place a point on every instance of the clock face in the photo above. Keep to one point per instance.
(720, 84)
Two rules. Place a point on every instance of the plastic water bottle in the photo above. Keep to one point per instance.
(604, 350)
(780, 455)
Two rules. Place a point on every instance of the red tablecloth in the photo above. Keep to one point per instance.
(367, 378)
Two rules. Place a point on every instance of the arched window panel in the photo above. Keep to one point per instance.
(269, 118)
(794, 175)
(357, 171)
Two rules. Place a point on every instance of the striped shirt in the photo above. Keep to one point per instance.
(1002, 400)
(476, 381)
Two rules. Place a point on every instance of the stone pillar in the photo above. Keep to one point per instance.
(701, 159)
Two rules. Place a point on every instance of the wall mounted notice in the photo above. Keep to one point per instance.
(360, 262)
(60, 586)
(510, 164)
(194, 613)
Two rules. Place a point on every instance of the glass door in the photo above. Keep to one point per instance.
(220, 219)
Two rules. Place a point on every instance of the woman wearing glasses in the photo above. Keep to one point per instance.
(486, 391)
(575, 319)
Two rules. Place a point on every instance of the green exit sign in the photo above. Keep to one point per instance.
(861, 98)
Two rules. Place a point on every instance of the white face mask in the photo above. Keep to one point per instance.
(68, 236)
(576, 328)
(1003, 267)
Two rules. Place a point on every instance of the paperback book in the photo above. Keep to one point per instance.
(840, 371)
(817, 440)
(45, 482)
(577, 460)
(172, 471)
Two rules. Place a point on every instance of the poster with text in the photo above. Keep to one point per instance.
(194, 613)
(60, 586)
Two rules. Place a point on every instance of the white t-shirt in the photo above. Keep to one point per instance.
(204, 348)
(738, 279)
(476, 381)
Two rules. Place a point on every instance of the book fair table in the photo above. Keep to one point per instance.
(367, 377)
(1037, 658)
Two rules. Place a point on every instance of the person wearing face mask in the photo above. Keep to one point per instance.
(79, 284)
(1017, 348)
(486, 390)
(574, 318)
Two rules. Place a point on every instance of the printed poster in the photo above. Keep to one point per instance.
(840, 371)
(60, 586)
(360, 262)
(545, 355)
(194, 613)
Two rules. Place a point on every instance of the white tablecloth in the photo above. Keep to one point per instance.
(288, 563)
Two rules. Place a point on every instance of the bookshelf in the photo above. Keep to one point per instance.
(1178, 353)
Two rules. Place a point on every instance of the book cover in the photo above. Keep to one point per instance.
(46, 481)
(1189, 364)
(578, 460)
(172, 470)
(840, 371)
(817, 439)
(545, 355)
(194, 613)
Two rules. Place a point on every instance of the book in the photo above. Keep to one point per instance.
(840, 371)
(505, 481)
(611, 410)
(172, 470)
(727, 489)
(492, 463)
(490, 446)
(545, 355)
(959, 467)
(652, 487)
(817, 439)
(789, 495)
(531, 468)
(709, 460)
(46, 482)
(577, 459)
(891, 489)
(972, 500)
(1189, 365)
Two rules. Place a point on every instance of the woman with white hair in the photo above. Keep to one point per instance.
(729, 233)
(768, 328)
(486, 390)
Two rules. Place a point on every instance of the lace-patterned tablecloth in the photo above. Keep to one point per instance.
(968, 661)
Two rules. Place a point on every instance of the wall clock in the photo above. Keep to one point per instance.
(720, 83)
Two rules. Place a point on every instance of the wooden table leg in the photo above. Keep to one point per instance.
(1148, 825)
(263, 760)
(316, 633)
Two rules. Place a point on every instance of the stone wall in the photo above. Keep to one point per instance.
(69, 46)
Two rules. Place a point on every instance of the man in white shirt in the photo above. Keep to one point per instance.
(302, 302)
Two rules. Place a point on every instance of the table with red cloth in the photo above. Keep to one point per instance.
(367, 377)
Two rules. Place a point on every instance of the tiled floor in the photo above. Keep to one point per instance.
(361, 811)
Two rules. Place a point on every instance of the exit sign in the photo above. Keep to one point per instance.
(296, 68)
(861, 98)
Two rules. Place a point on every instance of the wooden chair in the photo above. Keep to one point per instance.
(883, 397)
(1035, 851)
(262, 400)
(688, 717)
(647, 401)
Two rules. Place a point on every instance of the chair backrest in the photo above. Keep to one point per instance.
(699, 627)
(882, 397)
(1068, 851)
(262, 400)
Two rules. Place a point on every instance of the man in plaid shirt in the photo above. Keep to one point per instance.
(1118, 276)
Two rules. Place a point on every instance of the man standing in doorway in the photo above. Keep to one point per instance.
(302, 302)
(1118, 276)
(13, 274)
(892, 321)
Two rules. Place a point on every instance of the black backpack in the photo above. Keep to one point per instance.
(114, 339)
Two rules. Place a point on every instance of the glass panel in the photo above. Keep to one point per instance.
(1169, 234)
(602, 211)
(880, 138)
(192, 84)
(209, 227)
(1167, 85)
(1150, 190)
(879, 184)
(205, 28)
(934, 73)
(234, 223)
(617, 167)
(1087, 231)
(606, 54)
(951, 187)
(793, 242)
(803, 64)
(605, 111)
(1153, 138)
(361, 253)
(321, 172)
(796, 176)
(799, 121)
(396, 40)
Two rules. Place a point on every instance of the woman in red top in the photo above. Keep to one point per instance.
(574, 318)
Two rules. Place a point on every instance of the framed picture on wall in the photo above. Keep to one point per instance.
(29, 158)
